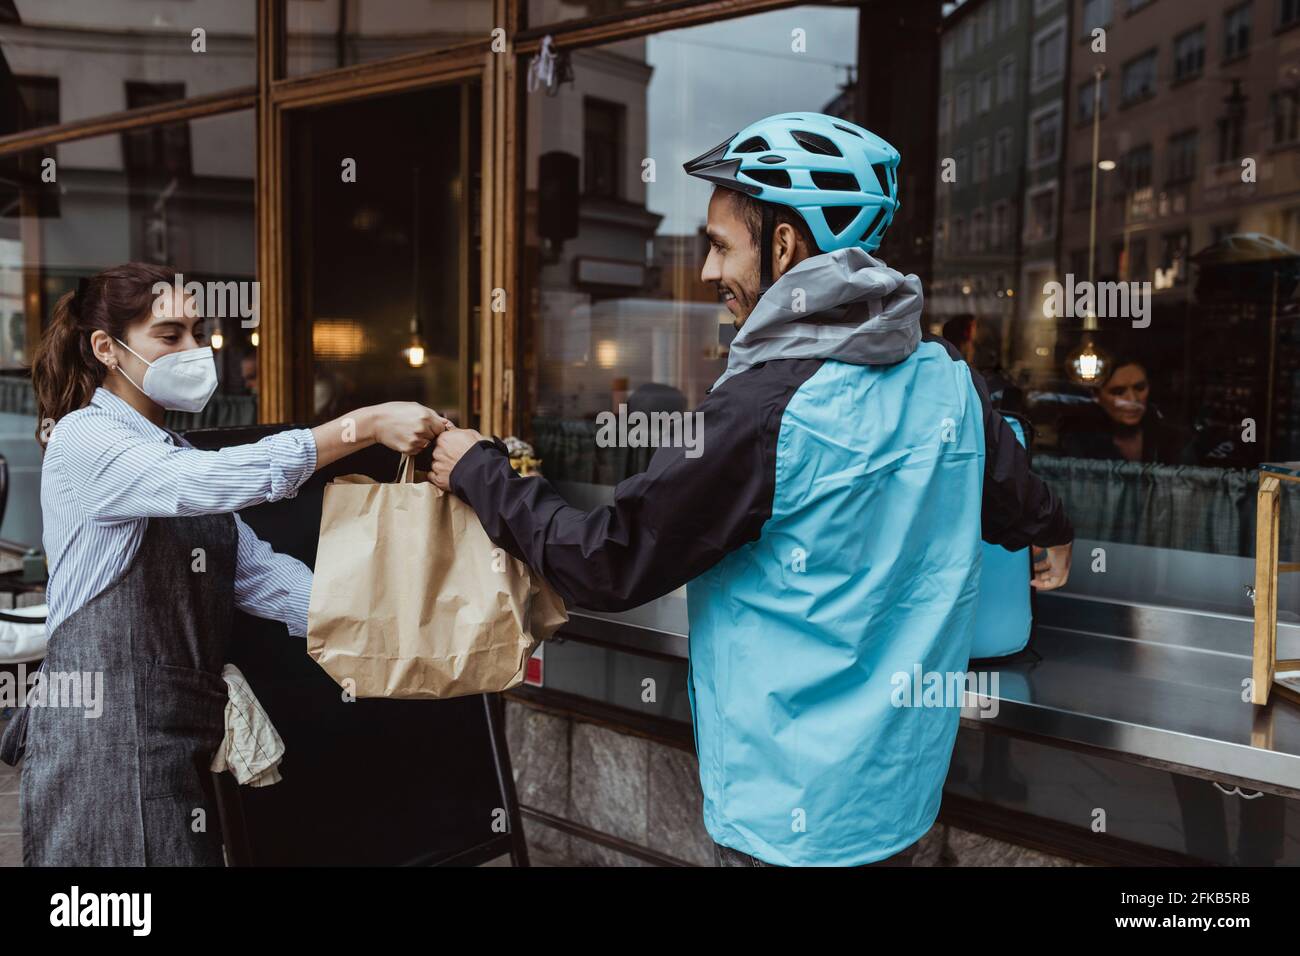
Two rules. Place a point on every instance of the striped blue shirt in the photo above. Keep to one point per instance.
(108, 470)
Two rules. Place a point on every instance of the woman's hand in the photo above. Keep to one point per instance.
(406, 427)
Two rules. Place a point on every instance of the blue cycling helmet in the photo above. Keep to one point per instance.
(842, 179)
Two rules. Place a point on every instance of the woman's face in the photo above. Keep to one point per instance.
(1124, 396)
(165, 328)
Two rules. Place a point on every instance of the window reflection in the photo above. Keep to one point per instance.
(616, 239)
(1152, 399)
(179, 195)
(62, 61)
(326, 34)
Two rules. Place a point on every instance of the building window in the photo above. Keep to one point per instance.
(1137, 260)
(962, 160)
(945, 114)
(966, 39)
(1002, 152)
(1086, 93)
(1173, 258)
(1134, 170)
(1007, 79)
(1001, 225)
(1285, 107)
(1040, 221)
(1138, 79)
(1288, 13)
(1007, 13)
(1182, 157)
(1189, 54)
(984, 92)
(977, 237)
(988, 25)
(1236, 32)
(1081, 187)
(1096, 15)
(958, 236)
(963, 104)
(1049, 56)
(1229, 129)
(602, 147)
(981, 161)
(948, 52)
(1045, 135)
(162, 151)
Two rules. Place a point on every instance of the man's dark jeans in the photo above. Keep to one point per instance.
(726, 856)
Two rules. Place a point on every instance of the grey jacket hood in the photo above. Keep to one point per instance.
(844, 305)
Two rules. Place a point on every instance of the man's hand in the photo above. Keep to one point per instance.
(1051, 567)
(452, 445)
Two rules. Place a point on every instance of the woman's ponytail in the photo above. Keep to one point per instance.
(65, 371)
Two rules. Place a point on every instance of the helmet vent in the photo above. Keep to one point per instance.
(840, 218)
(815, 143)
(847, 130)
(755, 144)
(880, 214)
(882, 175)
(770, 177)
(771, 158)
(844, 181)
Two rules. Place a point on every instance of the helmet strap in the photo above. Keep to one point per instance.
(765, 249)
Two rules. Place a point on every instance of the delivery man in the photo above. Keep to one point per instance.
(829, 527)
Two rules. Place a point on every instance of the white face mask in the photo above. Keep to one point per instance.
(178, 381)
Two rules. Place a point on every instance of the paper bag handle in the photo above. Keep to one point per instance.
(405, 470)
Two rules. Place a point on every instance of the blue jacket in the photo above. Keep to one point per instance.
(829, 528)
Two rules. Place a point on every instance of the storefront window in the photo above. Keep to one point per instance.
(62, 61)
(619, 313)
(1154, 397)
(326, 34)
(179, 195)
(385, 243)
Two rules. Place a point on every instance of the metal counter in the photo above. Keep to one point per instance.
(1159, 686)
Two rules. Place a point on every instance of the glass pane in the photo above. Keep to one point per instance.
(544, 12)
(1154, 396)
(180, 195)
(385, 247)
(620, 314)
(1158, 359)
(325, 34)
(61, 60)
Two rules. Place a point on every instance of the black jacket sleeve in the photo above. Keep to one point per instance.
(1018, 509)
(666, 526)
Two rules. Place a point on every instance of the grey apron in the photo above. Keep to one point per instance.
(131, 787)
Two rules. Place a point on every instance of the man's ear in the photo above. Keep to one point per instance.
(787, 249)
(101, 343)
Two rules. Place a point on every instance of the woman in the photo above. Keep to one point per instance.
(1123, 424)
(147, 563)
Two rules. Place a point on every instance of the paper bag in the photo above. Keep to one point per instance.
(411, 599)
